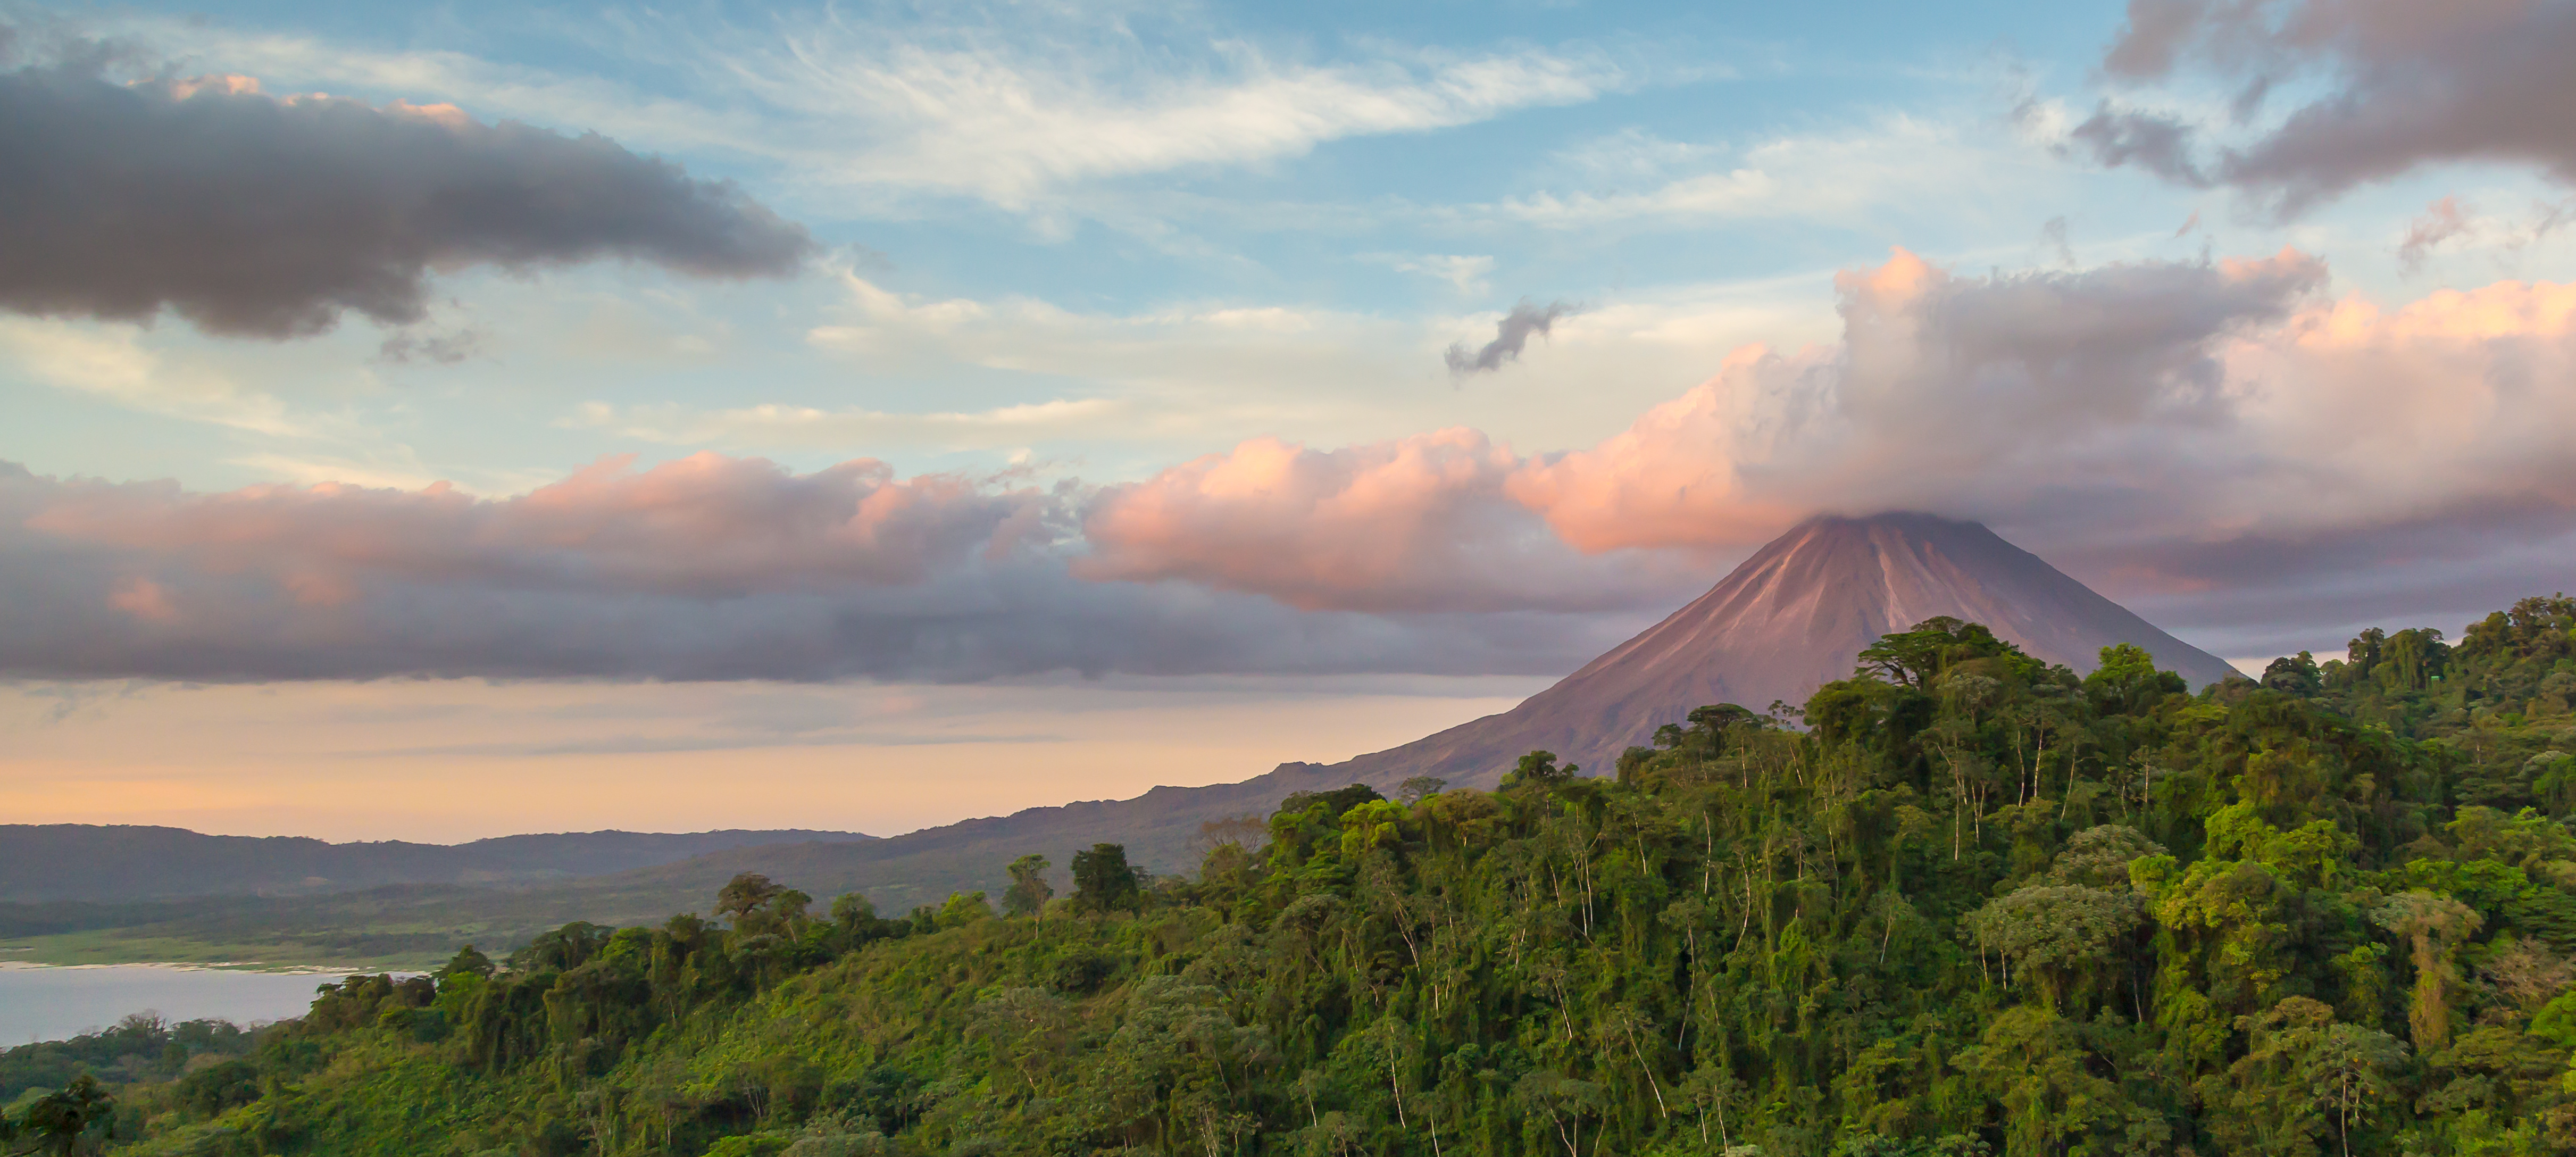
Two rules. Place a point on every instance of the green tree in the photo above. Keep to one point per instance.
(1540, 768)
(1752, 939)
(1418, 788)
(466, 962)
(2304, 1075)
(1103, 881)
(2433, 926)
(2055, 934)
(55, 1122)
(1029, 890)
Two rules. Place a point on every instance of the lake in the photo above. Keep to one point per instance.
(38, 1002)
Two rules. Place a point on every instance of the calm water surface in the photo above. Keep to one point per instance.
(44, 1003)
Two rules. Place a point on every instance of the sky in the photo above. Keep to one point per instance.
(447, 420)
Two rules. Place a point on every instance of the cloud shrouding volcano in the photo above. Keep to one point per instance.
(262, 216)
(2170, 426)
(2128, 410)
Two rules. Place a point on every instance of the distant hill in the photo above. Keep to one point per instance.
(1791, 618)
(114, 863)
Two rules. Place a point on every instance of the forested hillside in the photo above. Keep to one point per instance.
(1975, 905)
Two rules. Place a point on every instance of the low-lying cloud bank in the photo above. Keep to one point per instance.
(705, 568)
(2220, 443)
(264, 216)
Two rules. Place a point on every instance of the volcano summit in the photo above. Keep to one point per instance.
(1791, 618)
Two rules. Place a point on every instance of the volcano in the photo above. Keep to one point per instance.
(1791, 618)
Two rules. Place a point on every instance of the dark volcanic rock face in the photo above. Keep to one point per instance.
(1792, 618)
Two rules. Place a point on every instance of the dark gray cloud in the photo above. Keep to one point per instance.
(709, 568)
(2158, 143)
(261, 216)
(2405, 83)
(2053, 237)
(1511, 336)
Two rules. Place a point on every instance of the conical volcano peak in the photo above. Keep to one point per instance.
(1888, 528)
(1792, 617)
(1909, 521)
(1789, 619)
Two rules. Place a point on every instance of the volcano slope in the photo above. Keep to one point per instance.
(1791, 618)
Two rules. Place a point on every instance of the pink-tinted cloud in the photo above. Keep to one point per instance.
(143, 599)
(2133, 416)
(2443, 221)
(705, 568)
(1902, 412)
(1417, 523)
(706, 525)
(2187, 430)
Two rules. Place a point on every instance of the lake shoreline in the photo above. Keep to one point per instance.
(41, 1002)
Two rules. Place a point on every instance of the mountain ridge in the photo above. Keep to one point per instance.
(1791, 617)
(1812, 629)
(119, 862)
(1795, 638)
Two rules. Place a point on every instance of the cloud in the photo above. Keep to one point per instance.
(2177, 430)
(705, 568)
(1465, 272)
(438, 349)
(707, 526)
(1416, 523)
(117, 366)
(1011, 118)
(1511, 335)
(1944, 391)
(262, 216)
(1847, 176)
(2453, 225)
(2146, 405)
(2169, 427)
(780, 425)
(1012, 105)
(2053, 237)
(1157, 362)
(2397, 85)
(2442, 221)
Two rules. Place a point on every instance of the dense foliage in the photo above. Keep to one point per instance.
(1975, 904)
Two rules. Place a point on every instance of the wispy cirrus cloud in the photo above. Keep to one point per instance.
(1010, 124)
(782, 425)
(1008, 107)
(1886, 165)
(116, 364)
